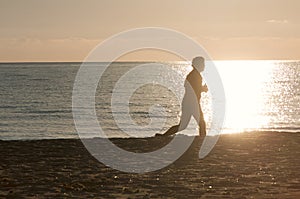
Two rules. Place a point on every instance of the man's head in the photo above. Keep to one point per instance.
(198, 63)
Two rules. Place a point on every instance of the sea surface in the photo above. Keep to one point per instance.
(36, 99)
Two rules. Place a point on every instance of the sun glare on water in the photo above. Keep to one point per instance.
(244, 83)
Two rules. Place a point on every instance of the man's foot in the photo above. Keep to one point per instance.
(202, 133)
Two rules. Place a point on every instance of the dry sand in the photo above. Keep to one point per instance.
(248, 165)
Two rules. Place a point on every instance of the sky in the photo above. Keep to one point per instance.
(67, 30)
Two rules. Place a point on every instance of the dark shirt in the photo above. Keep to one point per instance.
(195, 80)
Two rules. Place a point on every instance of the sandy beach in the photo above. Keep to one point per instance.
(246, 165)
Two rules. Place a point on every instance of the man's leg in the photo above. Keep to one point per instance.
(184, 121)
(198, 115)
(172, 130)
(202, 124)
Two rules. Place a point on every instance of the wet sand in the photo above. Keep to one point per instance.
(248, 165)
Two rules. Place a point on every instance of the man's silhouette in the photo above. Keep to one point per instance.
(191, 100)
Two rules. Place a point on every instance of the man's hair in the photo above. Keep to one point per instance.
(198, 61)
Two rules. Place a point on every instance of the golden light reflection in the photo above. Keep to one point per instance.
(244, 84)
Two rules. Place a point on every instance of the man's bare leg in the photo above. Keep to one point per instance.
(172, 130)
(202, 128)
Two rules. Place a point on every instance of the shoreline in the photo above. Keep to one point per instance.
(183, 135)
(242, 165)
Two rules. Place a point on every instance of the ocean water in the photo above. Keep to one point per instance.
(36, 99)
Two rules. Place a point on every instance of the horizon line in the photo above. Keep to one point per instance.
(138, 61)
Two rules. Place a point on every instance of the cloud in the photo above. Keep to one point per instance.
(284, 21)
(77, 48)
(52, 49)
